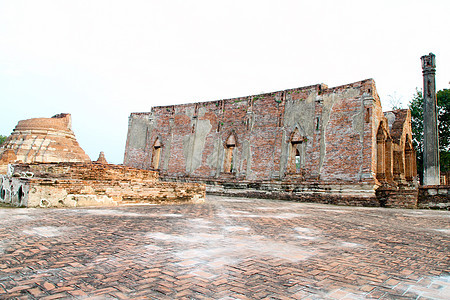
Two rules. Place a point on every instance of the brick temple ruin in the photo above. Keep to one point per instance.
(69, 184)
(42, 165)
(43, 140)
(314, 143)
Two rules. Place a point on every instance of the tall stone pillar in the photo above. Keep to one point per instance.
(431, 175)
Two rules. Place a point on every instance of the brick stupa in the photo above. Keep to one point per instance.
(102, 159)
(43, 140)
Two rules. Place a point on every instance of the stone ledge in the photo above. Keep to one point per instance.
(434, 196)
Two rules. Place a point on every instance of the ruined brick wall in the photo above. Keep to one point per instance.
(93, 171)
(434, 197)
(80, 184)
(335, 129)
(314, 137)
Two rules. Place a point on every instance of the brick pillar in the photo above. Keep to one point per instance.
(409, 166)
(431, 174)
(381, 158)
(388, 160)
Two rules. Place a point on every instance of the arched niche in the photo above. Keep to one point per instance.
(297, 149)
(156, 153)
(410, 159)
(229, 165)
(384, 153)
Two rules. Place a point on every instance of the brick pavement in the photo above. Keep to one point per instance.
(226, 248)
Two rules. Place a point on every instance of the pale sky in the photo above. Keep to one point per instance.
(100, 60)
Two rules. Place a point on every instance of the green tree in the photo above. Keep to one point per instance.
(2, 139)
(443, 99)
(416, 107)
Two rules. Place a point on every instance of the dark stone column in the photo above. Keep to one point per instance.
(431, 174)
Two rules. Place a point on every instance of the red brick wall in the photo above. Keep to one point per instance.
(339, 148)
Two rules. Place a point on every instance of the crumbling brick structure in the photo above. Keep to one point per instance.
(42, 140)
(332, 145)
(90, 184)
(46, 167)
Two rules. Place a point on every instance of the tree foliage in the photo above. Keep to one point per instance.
(2, 139)
(443, 99)
(416, 107)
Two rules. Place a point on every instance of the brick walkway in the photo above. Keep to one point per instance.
(227, 248)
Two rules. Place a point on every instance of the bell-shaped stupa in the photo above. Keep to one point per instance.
(43, 140)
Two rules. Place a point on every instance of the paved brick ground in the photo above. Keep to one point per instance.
(227, 248)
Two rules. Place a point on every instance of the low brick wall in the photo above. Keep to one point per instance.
(78, 184)
(435, 197)
(355, 195)
(360, 194)
(85, 171)
(400, 196)
(337, 193)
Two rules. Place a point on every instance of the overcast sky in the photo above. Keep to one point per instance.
(101, 60)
